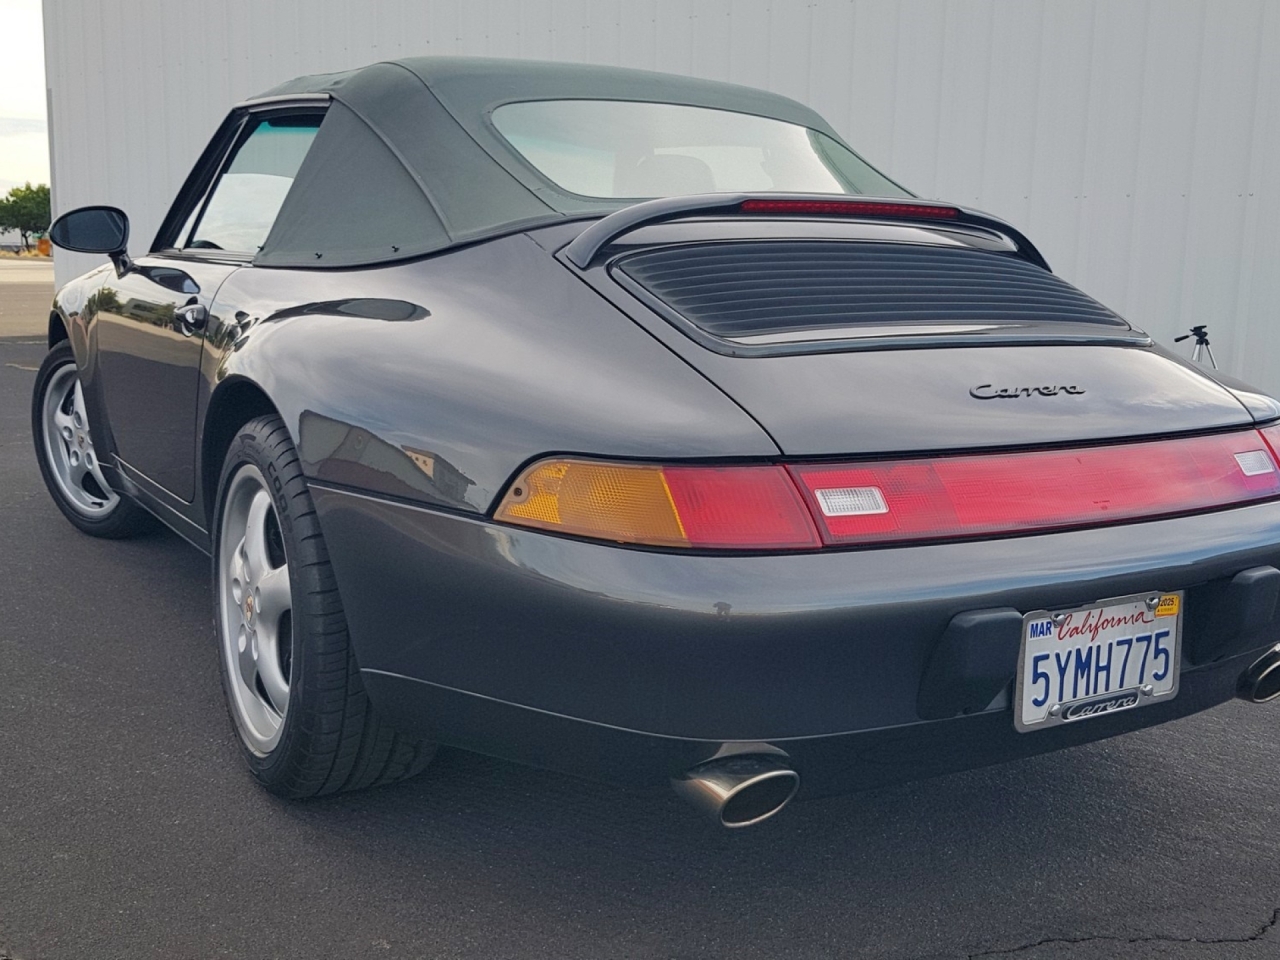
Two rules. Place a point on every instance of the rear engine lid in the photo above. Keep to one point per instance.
(873, 345)
(901, 401)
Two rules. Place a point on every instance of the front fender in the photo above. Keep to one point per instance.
(75, 304)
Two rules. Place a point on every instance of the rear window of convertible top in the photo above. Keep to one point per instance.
(621, 149)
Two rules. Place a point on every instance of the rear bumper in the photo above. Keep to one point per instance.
(827, 764)
(634, 665)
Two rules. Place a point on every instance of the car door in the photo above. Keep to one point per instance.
(151, 322)
(149, 327)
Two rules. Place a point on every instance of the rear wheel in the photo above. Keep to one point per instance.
(292, 684)
(68, 459)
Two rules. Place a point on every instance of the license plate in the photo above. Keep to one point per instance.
(1097, 659)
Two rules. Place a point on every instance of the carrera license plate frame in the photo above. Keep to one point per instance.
(1098, 658)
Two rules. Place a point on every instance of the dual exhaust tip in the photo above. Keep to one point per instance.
(739, 791)
(1261, 682)
(746, 789)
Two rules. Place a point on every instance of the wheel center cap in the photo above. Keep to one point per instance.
(248, 607)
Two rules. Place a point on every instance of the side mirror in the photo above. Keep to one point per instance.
(95, 230)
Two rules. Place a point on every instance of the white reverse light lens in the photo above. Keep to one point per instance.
(1254, 463)
(854, 501)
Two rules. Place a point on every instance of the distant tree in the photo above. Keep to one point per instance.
(26, 209)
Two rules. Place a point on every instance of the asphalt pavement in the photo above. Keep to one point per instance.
(26, 288)
(129, 829)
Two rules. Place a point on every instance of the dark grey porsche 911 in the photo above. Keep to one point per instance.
(632, 425)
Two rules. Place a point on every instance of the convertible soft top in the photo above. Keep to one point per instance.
(407, 160)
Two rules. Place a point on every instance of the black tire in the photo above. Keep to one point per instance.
(330, 738)
(120, 521)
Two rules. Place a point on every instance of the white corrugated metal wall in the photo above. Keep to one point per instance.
(1136, 141)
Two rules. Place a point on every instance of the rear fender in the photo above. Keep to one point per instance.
(434, 381)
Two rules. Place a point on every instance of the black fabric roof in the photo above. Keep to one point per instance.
(407, 162)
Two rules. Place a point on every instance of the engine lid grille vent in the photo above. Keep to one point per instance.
(753, 289)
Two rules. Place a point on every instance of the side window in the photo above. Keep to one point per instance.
(245, 200)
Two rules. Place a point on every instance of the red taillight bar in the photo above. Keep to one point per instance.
(999, 494)
(850, 208)
(770, 507)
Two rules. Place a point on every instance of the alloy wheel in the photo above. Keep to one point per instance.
(69, 447)
(255, 610)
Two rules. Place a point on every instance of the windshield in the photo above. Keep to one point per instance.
(614, 149)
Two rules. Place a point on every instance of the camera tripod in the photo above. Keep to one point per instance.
(1201, 333)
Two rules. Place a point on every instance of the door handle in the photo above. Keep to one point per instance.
(191, 318)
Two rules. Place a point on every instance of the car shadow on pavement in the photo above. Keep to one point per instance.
(1061, 835)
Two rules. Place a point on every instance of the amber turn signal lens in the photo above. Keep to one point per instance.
(627, 503)
(742, 508)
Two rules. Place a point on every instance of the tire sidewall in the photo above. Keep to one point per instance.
(331, 737)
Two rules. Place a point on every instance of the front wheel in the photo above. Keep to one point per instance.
(292, 684)
(68, 459)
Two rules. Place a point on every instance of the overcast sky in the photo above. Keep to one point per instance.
(24, 144)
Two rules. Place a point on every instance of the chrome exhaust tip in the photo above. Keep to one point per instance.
(739, 791)
(1261, 682)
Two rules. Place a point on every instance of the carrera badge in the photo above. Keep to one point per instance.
(986, 391)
